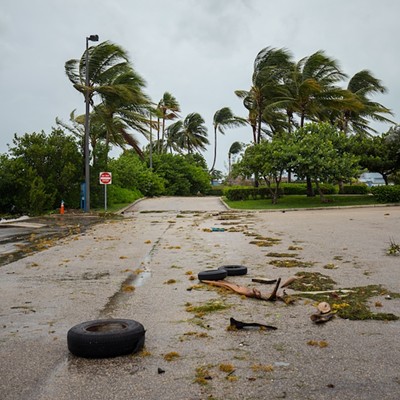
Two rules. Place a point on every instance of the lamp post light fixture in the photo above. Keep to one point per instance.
(92, 38)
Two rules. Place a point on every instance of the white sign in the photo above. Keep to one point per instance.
(105, 178)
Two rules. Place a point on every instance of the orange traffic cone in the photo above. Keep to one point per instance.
(62, 208)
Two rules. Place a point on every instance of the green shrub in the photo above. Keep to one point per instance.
(301, 188)
(182, 175)
(119, 195)
(248, 193)
(294, 188)
(386, 194)
(327, 188)
(39, 200)
(356, 189)
(215, 191)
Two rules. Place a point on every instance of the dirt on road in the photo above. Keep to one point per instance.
(144, 267)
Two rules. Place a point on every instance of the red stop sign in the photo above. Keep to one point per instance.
(105, 178)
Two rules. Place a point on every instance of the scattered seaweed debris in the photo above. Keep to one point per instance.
(291, 263)
(348, 303)
(209, 307)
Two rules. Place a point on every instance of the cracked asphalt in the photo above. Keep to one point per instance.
(144, 267)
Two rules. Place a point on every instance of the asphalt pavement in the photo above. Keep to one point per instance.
(144, 267)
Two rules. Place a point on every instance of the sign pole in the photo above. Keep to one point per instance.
(105, 179)
(105, 197)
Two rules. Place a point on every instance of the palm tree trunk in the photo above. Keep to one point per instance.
(310, 190)
(163, 132)
(215, 149)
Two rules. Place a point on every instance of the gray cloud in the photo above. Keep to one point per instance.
(201, 51)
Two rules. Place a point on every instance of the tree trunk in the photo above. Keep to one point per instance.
(215, 149)
(310, 190)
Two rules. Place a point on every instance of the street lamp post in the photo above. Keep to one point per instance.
(93, 38)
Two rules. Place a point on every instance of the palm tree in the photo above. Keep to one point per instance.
(189, 134)
(309, 88)
(270, 66)
(168, 109)
(77, 128)
(362, 85)
(236, 148)
(123, 103)
(224, 118)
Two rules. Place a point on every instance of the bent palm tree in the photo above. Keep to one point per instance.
(168, 109)
(236, 148)
(123, 103)
(224, 118)
(189, 134)
(270, 66)
(362, 85)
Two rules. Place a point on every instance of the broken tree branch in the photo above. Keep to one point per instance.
(245, 291)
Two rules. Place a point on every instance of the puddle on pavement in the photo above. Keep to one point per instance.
(141, 278)
(115, 301)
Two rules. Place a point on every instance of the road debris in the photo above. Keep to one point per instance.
(240, 325)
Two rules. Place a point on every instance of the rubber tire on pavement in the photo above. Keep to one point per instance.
(212, 275)
(234, 270)
(106, 338)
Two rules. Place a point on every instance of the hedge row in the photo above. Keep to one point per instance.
(248, 193)
(301, 188)
(387, 194)
(356, 189)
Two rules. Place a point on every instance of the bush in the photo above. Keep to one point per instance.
(119, 195)
(215, 191)
(132, 173)
(356, 189)
(386, 194)
(39, 200)
(327, 188)
(183, 175)
(294, 188)
(248, 193)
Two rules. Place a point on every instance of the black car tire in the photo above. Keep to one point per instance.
(234, 270)
(212, 275)
(106, 338)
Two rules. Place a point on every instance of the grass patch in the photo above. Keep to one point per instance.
(301, 201)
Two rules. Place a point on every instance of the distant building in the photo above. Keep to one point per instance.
(372, 179)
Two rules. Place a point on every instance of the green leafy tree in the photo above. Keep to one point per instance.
(45, 170)
(320, 155)
(183, 174)
(269, 159)
(379, 153)
(130, 172)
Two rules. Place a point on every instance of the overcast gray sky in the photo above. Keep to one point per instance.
(199, 50)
